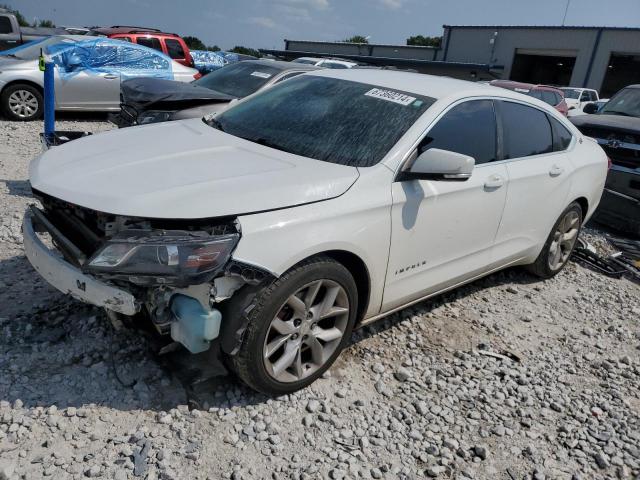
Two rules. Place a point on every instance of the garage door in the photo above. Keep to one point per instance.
(623, 70)
(550, 67)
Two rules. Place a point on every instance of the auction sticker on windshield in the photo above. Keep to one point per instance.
(261, 75)
(390, 96)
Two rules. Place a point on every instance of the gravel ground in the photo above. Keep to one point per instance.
(507, 378)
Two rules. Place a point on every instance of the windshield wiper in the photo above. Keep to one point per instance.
(215, 123)
(267, 143)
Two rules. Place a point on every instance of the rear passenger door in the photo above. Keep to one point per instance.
(175, 51)
(534, 148)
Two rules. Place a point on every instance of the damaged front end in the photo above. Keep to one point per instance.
(175, 272)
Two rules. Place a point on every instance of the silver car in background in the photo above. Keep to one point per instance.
(79, 84)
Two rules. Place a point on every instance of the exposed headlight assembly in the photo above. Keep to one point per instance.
(154, 116)
(172, 257)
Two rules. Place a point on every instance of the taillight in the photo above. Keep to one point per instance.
(197, 76)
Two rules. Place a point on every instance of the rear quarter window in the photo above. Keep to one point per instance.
(561, 135)
(174, 48)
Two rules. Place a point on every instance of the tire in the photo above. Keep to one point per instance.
(279, 327)
(22, 102)
(545, 266)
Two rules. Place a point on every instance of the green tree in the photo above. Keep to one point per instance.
(245, 51)
(215, 48)
(19, 17)
(45, 24)
(194, 43)
(357, 39)
(422, 41)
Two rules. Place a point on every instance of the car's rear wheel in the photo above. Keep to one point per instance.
(560, 243)
(297, 327)
(22, 102)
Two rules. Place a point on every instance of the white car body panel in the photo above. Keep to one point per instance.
(416, 238)
(217, 175)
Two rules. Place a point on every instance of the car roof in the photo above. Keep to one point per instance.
(427, 85)
(281, 65)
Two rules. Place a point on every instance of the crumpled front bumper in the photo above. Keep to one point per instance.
(71, 280)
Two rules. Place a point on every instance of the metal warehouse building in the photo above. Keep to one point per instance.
(603, 58)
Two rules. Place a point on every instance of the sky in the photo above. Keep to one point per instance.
(266, 23)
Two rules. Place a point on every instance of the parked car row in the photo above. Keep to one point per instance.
(88, 73)
(267, 232)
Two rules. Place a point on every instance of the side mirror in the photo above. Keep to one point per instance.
(590, 108)
(74, 61)
(437, 164)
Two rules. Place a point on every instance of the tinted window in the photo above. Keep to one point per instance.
(150, 42)
(174, 49)
(561, 136)
(468, 128)
(337, 121)
(239, 79)
(526, 131)
(5, 25)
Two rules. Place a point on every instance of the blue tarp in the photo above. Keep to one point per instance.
(105, 55)
(206, 61)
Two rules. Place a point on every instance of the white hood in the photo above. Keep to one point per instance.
(182, 169)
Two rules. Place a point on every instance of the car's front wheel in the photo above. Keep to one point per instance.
(297, 327)
(22, 102)
(560, 243)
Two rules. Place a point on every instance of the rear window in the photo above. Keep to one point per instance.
(238, 80)
(561, 135)
(174, 48)
(150, 42)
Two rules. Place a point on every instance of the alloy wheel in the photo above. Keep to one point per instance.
(306, 331)
(564, 238)
(23, 103)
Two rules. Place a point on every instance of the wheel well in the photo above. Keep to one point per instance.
(584, 205)
(358, 269)
(23, 82)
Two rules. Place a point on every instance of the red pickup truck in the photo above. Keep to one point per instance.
(168, 43)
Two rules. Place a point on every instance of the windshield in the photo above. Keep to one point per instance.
(626, 102)
(238, 80)
(337, 121)
(31, 50)
(571, 93)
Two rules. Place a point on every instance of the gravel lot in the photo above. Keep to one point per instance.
(421, 394)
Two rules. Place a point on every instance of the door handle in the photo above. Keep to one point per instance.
(556, 171)
(110, 76)
(494, 181)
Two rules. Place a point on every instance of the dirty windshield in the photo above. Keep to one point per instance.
(338, 121)
(238, 80)
(626, 103)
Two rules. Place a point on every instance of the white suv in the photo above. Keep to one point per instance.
(577, 98)
(267, 233)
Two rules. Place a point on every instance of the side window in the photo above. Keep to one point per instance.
(585, 97)
(468, 128)
(593, 97)
(150, 42)
(527, 130)
(174, 49)
(5, 25)
(561, 136)
(288, 76)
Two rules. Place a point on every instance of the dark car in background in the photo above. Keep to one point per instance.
(149, 100)
(549, 95)
(616, 127)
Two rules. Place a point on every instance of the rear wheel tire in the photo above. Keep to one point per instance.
(297, 327)
(560, 244)
(22, 102)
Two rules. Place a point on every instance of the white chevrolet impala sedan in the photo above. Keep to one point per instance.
(265, 234)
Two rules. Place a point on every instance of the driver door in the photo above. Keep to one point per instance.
(443, 232)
